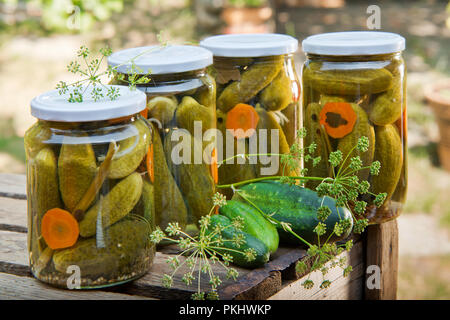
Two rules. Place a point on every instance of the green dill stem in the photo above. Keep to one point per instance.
(345, 160)
(240, 183)
(211, 251)
(353, 171)
(203, 228)
(210, 273)
(329, 237)
(223, 248)
(246, 155)
(181, 264)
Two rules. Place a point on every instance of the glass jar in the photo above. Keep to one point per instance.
(354, 85)
(89, 190)
(181, 107)
(258, 111)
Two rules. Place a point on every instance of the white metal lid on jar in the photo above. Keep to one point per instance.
(52, 106)
(250, 45)
(161, 59)
(354, 43)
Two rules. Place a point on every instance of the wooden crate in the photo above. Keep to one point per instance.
(277, 280)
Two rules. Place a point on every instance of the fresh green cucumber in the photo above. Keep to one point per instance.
(295, 205)
(255, 223)
(239, 258)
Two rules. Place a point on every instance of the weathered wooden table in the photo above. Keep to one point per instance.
(277, 280)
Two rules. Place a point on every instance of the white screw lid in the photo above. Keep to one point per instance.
(52, 106)
(250, 45)
(354, 43)
(161, 59)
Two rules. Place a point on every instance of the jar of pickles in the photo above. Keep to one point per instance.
(354, 85)
(257, 104)
(181, 105)
(89, 190)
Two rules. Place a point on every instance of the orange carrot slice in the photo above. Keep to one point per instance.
(338, 118)
(59, 228)
(144, 113)
(213, 167)
(149, 163)
(242, 120)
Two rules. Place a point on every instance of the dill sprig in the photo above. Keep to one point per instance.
(203, 251)
(88, 68)
(343, 185)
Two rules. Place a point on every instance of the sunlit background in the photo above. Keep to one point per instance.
(39, 38)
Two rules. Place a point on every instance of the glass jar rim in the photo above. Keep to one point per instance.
(250, 45)
(351, 43)
(53, 106)
(160, 59)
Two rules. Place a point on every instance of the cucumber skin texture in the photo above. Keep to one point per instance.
(255, 223)
(262, 252)
(295, 205)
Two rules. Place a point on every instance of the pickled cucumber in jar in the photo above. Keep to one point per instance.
(90, 190)
(356, 81)
(257, 104)
(181, 101)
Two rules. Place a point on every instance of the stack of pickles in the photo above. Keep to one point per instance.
(257, 103)
(181, 110)
(90, 195)
(354, 86)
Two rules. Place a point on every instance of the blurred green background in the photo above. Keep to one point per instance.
(38, 38)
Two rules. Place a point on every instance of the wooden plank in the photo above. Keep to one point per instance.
(13, 186)
(252, 284)
(341, 288)
(14, 260)
(13, 249)
(382, 251)
(13, 214)
(24, 288)
(263, 282)
(150, 284)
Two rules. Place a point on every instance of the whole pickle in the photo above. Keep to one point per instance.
(347, 81)
(240, 169)
(194, 179)
(190, 111)
(291, 124)
(361, 128)
(397, 67)
(126, 243)
(43, 195)
(387, 107)
(268, 122)
(44, 186)
(315, 133)
(402, 185)
(162, 108)
(146, 204)
(228, 69)
(206, 95)
(389, 151)
(131, 152)
(169, 203)
(326, 98)
(76, 169)
(114, 206)
(34, 138)
(278, 94)
(253, 80)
